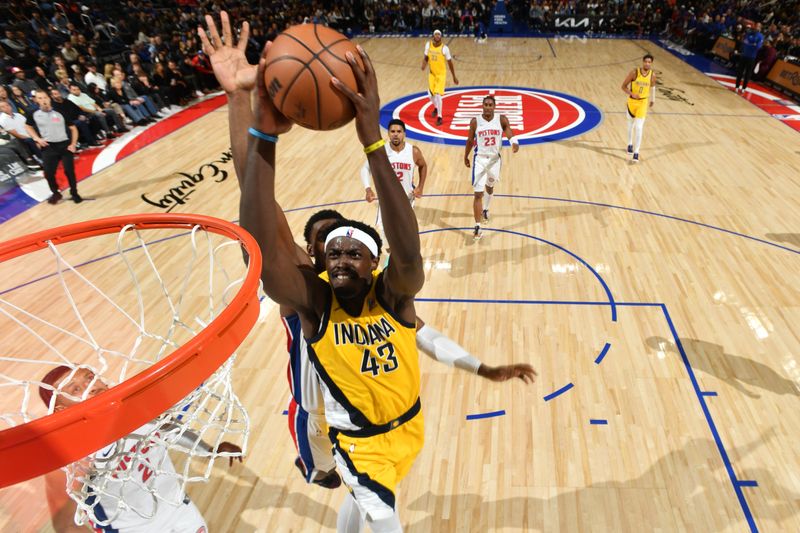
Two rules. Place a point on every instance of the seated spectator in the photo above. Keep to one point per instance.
(134, 96)
(93, 77)
(14, 125)
(24, 104)
(87, 104)
(69, 53)
(203, 72)
(22, 82)
(142, 84)
(4, 97)
(179, 93)
(40, 78)
(136, 111)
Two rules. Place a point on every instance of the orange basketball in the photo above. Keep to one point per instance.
(300, 64)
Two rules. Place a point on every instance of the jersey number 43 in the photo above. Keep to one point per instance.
(384, 360)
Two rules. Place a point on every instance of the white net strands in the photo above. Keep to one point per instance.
(103, 319)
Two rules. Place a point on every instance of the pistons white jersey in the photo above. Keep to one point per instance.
(142, 468)
(402, 163)
(303, 380)
(488, 136)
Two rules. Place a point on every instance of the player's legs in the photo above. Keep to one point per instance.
(639, 129)
(310, 434)
(492, 177)
(480, 175)
(349, 519)
(630, 132)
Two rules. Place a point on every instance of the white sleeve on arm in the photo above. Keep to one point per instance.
(427, 48)
(440, 348)
(446, 53)
(365, 175)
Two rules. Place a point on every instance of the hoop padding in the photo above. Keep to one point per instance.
(47, 443)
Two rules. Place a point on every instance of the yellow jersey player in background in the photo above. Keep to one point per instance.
(359, 324)
(640, 86)
(435, 56)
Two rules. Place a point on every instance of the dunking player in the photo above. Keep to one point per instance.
(125, 507)
(485, 138)
(435, 55)
(306, 410)
(638, 85)
(403, 157)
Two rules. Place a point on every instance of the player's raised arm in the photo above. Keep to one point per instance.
(405, 275)
(473, 125)
(283, 281)
(419, 161)
(236, 76)
(509, 134)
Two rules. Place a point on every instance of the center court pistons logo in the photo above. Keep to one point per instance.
(535, 115)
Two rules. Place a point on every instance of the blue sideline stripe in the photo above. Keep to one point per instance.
(560, 391)
(712, 426)
(598, 421)
(490, 414)
(602, 353)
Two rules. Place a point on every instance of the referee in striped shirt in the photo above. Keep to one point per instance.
(58, 140)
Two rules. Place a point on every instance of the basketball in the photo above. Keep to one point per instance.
(300, 64)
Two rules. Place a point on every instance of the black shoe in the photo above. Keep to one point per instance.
(77, 198)
(433, 113)
(331, 480)
(55, 198)
(439, 121)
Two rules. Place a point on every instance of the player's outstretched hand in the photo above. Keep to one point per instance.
(417, 192)
(506, 372)
(229, 63)
(267, 117)
(229, 447)
(366, 101)
(515, 148)
(370, 195)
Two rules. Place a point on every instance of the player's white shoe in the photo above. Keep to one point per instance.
(477, 232)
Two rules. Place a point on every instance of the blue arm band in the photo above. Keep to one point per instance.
(261, 135)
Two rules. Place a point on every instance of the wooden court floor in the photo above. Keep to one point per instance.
(658, 302)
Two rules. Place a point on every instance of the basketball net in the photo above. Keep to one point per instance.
(116, 317)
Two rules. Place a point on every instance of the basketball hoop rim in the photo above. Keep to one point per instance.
(50, 442)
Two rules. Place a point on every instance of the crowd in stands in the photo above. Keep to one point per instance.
(114, 65)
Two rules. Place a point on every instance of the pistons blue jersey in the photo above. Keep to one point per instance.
(303, 380)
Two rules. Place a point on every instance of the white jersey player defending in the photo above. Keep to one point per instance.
(403, 158)
(486, 136)
(153, 471)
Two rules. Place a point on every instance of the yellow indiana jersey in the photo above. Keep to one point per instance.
(436, 58)
(368, 364)
(640, 86)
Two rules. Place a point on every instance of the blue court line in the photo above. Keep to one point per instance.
(560, 391)
(285, 413)
(491, 414)
(554, 245)
(708, 393)
(748, 483)
(712, 426)
(693, 114)
(602, 353)
(598, 421)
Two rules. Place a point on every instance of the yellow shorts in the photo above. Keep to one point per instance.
(436, 83)
(638, 108)
(371, 467)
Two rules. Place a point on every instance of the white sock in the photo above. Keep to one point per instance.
(438, 103)
(433, 99)
(630, 129)
(487, 199)
(639, 127)
(349, 519)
